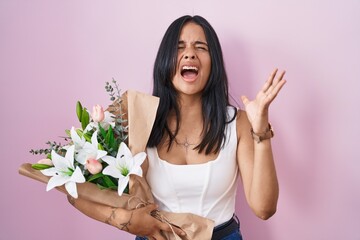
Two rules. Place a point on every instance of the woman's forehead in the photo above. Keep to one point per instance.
(192, 33)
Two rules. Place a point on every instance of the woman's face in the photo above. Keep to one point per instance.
(193, 62)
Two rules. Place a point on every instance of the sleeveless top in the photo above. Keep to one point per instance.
(206, 189)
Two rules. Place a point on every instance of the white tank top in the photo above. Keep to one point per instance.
(207, 189)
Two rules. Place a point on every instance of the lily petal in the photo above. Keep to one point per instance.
(56, 181)
(109, 160)
(71, 189)
(69, 156)
(84, 153)
(112, 171)
(94, 140)
(137, 170)
(77, 176)
(108, 120)
(49, 171)
(124, 152)
(123, 181)
(90, 127)
(78, 142)
(139, 158)
(100, 154)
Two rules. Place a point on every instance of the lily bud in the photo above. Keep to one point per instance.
(98, 113)
(93, 166)
(46, 161)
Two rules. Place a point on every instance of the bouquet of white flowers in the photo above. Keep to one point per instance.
(101, 161)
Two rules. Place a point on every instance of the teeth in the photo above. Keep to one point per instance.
(189, 68)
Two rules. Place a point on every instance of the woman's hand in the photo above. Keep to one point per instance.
(143, 224)
(257, 110)
(138, 222)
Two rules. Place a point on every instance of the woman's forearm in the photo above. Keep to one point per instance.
(116, 217)
(264, 189)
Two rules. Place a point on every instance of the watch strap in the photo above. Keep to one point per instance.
(259, 137)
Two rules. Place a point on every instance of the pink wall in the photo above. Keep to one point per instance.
(53, 53)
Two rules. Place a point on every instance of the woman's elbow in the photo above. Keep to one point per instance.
(265, 213)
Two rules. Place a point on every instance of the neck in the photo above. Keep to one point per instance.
(190, 114)
(190, 105)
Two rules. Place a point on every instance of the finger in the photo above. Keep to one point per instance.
(245, 100)
(279, 78)
(281, 75)
(274, 83)
(278, 86)
(151, 207)
(170, 228)
(269, 80)
(271, 96)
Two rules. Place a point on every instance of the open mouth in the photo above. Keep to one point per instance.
(189, 72)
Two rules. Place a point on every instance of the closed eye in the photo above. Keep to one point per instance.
(201, 45)
(201, 48)
(181, 45)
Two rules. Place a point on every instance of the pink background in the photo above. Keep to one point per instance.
(53, 53)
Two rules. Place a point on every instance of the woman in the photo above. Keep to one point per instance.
(200, 144)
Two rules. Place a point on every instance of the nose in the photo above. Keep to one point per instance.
(191, 56)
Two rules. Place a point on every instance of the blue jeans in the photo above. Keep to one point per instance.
(236, 235)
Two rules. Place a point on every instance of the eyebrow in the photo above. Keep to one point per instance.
(196, 42)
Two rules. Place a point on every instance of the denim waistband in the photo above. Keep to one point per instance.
(226, 228)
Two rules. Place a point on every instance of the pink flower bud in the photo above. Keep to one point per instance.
(98, 113)
(93, 166)
(46, 161)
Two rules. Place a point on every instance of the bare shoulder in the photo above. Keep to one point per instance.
(242, 123)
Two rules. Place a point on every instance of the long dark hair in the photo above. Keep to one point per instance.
(215, 98)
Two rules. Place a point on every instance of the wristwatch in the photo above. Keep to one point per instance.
(269, 133)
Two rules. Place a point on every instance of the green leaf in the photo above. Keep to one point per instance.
(79, 110)
(67, 131)
(108, 182)
(100, 147)
(102, 131)
(85, 118)
(109, 139)
(104, 187)
(87, 136)
(96, 176)
(79, 132)
(39, 166)
(126, 190)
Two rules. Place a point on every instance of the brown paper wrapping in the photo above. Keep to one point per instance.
(140, 111)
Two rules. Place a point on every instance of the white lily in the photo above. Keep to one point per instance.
(123, 165)
(105, 124)
(78, 141)
(90, 151)
(64, 172)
